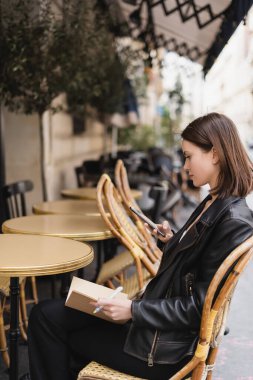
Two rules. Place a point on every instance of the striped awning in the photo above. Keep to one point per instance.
(197, 29)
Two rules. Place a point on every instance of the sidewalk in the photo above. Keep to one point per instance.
(234, 361)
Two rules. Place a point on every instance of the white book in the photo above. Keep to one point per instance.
(81, 292)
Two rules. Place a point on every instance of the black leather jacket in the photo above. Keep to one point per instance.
(166, 320)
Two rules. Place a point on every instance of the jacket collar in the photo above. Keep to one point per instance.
(172, 243)
(213, 212)
(196, 213)
(174, 246)
(216, 209)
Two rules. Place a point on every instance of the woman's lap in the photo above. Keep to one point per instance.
(105, 344)
(91, 338)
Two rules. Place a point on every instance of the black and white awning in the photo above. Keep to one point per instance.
(197, 29)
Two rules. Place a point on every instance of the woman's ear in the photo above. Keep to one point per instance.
(215, 156)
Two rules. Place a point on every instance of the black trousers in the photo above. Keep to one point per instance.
(61, 341)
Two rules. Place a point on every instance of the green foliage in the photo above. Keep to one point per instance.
(48, 52)
(167, 135)
(94, 72)
(169, 129)
(139, 137)
(29, 78)
(177, 97)
(145, 136)
(135, 68)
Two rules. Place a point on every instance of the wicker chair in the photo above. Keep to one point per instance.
(213, 322)
(123, 187)
(115, 268)
(112, 271)
(124, 228)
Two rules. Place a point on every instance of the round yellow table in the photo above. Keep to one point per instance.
(29, 255)
(77, 227)
(90, 193)
(67, 206)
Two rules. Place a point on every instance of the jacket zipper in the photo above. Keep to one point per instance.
(151, 354)
(189, 281)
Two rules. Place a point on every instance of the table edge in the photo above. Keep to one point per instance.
(90, 237)
(50, 270)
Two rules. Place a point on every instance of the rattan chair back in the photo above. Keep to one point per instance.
(213, 321)
(215, 312)
(122, 184)
(123, 227)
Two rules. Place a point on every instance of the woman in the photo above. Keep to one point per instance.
(162, 329)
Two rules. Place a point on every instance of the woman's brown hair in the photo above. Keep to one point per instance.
(217, 131)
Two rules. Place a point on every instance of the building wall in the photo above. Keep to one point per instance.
(21, 136)
(229, 84)
(63, 150)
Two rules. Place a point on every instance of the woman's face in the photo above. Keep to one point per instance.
(203, 167)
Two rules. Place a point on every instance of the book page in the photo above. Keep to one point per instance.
(81, 292)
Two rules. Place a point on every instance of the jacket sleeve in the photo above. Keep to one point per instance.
(185, 312)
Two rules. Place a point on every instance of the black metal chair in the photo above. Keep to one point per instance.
(159, 193)
(15, 206)
(80, 176)
(92, 170)
(88, 173)
(14, 198)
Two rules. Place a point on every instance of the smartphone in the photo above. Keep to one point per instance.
(147, 220)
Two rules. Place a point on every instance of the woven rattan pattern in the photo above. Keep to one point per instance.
(112, 267)
(5, 285)
(97, 371)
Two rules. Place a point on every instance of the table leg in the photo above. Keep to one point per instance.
(14, 327)
(106, 249)
(92, 272)
(53, 285)
(65, 284)
(100, 256)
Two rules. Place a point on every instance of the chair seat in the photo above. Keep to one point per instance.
(114, 266)
(123, 261)
(100, 372)
(5, 285)
(131, 284)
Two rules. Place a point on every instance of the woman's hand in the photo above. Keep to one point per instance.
(165, 228)
(116, 309)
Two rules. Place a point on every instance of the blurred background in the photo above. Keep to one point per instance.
(81, 80)
(84, 83)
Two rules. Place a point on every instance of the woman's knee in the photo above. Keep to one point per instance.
(45, 311)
